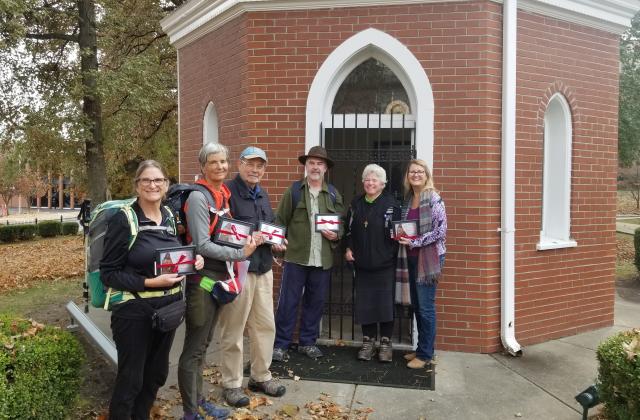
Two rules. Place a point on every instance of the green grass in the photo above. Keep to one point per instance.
(625, 270)
(43, 294)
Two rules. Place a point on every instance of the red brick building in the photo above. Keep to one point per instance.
(514, 104)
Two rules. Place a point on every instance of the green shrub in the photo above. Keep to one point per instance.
(26, 232)
(69, 228)
(619, 375)
(49, 228)
(40, 368)
(8, 233)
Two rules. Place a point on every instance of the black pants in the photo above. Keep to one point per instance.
(143, 366)
(371, 330)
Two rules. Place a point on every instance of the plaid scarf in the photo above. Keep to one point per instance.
(428, 259)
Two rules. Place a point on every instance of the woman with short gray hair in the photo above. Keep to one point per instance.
(372, 250)
(201, 306)
(211, 149)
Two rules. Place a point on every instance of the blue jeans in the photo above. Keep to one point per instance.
(423, 303)
(306, 284)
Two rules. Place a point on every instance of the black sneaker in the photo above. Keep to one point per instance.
(310, 351)
(235, 397)
(270, 387)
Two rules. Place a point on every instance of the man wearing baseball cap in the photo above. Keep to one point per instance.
(309, 255)
(253, 308)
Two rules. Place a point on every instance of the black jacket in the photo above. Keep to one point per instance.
(245, 208)
(368, 231)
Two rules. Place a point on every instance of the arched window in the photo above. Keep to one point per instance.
(210, 125)
(556, 198)
(371, 88)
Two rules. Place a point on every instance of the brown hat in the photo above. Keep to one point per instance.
(316, 152)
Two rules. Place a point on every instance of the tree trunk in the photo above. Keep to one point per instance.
(91, 107)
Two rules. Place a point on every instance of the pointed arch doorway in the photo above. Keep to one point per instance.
(370, 102)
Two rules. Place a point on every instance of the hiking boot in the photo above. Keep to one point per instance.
(235, 397)
(270, 387)
(310, 351)
(385, 354)
(410, 356)
(368, 349)
(279, 355)
(213, 411)
(417, 363)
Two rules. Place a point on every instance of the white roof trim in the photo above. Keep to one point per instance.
(196, 18)
(610, 15)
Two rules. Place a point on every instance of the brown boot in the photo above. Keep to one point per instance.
(385, 354)
(368, 349)
(410, 356)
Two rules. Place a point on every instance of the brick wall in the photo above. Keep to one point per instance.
(213, 69)
(258, 70)
(566, 291)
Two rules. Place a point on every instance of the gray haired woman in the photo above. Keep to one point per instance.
(201, 308)
(372, 250)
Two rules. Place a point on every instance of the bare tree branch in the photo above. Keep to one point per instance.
(54, 35)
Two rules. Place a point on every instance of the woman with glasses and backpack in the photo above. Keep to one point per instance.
(128, 269)
(420, 260)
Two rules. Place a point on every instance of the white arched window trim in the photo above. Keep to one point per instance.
(372, 43)
(210, 125)
(556, 196)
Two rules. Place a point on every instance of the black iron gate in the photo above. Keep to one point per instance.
(354, 141)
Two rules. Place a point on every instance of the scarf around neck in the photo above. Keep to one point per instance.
(428, 271)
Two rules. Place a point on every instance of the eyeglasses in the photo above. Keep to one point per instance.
(417, 172)
(255, 166)
(157, 181)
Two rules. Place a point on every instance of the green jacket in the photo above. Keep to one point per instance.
(299, 228)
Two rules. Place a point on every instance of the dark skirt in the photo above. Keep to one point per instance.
(373, 300)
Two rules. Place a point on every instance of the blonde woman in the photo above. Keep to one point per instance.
(143, 353)
(420, 260)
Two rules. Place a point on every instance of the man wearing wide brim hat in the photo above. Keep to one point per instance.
(309, 253)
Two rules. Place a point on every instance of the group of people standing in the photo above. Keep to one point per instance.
(388, 269)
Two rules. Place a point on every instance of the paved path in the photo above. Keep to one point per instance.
(539, 385)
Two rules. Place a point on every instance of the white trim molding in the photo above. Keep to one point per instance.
(372, 43)
(608, 15)
(197, 18)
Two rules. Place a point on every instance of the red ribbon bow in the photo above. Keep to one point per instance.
(328, 222)
(270, 235)
(175, 266)
(234, 232)
(412, 237)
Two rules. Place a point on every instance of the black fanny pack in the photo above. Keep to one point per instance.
(169, 317)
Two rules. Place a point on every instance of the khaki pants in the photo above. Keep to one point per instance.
(253, 308)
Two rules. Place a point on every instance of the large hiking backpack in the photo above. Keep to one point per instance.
(98, 226)
(176, 200)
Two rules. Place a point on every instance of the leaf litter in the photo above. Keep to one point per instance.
(29, 262)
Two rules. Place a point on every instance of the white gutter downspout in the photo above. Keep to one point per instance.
(507, 313)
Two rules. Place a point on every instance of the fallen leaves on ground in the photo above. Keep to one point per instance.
(327, 409)
(624, 248)
(48, 259)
